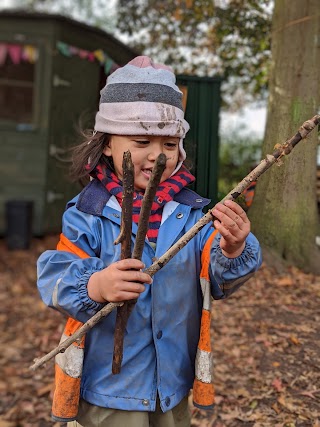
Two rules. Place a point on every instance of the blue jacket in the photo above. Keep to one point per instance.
(163, 330)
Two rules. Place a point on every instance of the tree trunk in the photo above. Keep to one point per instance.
(284, 212)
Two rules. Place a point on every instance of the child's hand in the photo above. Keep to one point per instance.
(121, 281)
(233, 225)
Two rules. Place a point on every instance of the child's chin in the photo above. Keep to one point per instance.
(140, 187)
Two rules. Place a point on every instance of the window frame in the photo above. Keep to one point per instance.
(34, 123)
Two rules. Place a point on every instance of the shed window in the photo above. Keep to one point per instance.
(17, 76)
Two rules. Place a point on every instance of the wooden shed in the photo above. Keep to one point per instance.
(51, 71)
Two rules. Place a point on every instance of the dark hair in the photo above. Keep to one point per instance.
(89, 152)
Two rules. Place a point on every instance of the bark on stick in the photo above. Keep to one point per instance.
(61, 348)
(125, 310)
(125, 240)
(280, 151)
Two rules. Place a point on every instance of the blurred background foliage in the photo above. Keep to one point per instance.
(227, 38)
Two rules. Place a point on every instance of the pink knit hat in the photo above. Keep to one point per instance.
(142, 98)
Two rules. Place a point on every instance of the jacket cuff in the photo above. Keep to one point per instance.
(83, 292)
(230, 263)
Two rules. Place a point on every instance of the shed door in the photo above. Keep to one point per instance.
(22, 124)
(75, 90)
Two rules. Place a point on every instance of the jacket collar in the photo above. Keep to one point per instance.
(95, 191)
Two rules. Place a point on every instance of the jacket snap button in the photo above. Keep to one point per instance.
(179, 215)
(159, 335)
(198, 200)
(167, 401)
(116, 215)
(145, 402)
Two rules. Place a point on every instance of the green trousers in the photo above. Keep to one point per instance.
(95, 416)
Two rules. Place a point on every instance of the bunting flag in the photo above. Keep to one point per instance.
(28, 53)
(97, 55)
(18, 53)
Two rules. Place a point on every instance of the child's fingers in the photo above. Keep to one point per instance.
(130, 264)
(232, 236)
(134, 276)
(231, 222)
(233, 218)
(126, 296)
(132, 292)
(237, 209)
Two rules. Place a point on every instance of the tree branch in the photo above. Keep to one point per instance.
(281, 151)
(61, 348)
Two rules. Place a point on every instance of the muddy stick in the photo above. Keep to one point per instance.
(281, 151)
(125, 239)
(125, 310)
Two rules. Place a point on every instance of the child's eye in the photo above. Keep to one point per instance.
(171, 144)
(141, 142)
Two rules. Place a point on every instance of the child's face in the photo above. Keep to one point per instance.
(144, 152)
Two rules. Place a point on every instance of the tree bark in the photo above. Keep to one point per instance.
(284, 212)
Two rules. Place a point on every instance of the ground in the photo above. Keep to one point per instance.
(266, 348)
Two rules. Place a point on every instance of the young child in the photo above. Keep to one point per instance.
(141, 111)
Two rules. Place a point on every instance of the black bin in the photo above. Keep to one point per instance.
(19, 224)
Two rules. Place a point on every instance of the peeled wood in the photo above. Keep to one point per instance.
(281, 151)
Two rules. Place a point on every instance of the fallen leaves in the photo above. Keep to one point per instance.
(29, 329)
(277, 384)
(266, 349)
(267, 370)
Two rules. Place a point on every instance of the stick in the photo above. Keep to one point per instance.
(264, 165)
(125, 239)
(127, 201)
(281, 151)
(61, 348)
(147, 201)
(125, 310)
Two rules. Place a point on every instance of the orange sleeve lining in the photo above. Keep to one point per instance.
(205, 257)
(65, 244)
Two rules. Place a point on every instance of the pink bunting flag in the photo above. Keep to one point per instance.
(91, 57)
(83, 54)
(14, 51)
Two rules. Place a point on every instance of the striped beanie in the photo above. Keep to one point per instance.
(142, 98)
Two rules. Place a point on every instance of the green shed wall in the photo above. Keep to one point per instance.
(202, 140)
(33, 162)
(23, 153)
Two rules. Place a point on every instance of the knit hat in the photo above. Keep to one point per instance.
(142, 98)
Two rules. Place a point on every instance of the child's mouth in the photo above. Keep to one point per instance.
(146, 172)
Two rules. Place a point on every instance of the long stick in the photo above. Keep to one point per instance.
(125, 310)
(125, 240)
(61, 348)
(283, 150)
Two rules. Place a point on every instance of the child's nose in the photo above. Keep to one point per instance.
(154, 152)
